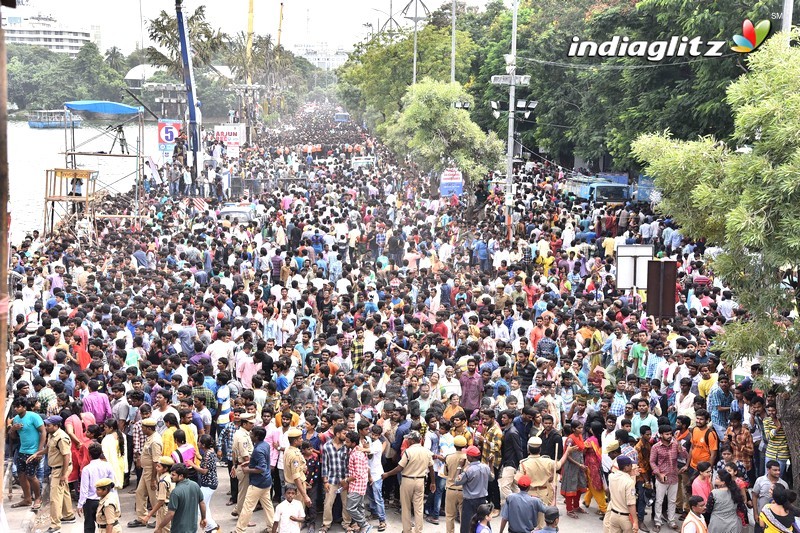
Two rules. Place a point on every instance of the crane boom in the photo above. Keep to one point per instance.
(193, 137)
(280, 25)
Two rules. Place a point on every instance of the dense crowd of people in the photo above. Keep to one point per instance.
(360, 344)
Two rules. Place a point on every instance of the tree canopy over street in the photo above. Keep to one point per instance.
(744, 197)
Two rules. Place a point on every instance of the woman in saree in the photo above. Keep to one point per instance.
(573, 475)
(114, 450)
(592, 458)
(75, 425)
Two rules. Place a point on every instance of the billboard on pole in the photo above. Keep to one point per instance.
(451, 182)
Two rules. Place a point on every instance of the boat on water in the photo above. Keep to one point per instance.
(52, 118)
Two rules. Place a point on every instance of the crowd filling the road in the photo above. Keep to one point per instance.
(345, 341)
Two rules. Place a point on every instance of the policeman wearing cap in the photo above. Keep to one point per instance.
(152, 449)
(474, 477)
(163, 492)
(521, 511)
(59, 458)
(454, 495)
(294, 465)
(551, 517)
(241, 451)
(541, 471)
(108, 510)
(415, 463)
(621, 516)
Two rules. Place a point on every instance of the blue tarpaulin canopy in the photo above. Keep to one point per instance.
(100, 106)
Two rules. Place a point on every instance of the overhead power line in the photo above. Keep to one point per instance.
(579, 66)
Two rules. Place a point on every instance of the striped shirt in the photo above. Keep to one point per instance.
(334, 462)
(777, 444)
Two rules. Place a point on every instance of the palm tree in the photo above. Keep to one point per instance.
(115, 59)
(255, 66)
(204, 40)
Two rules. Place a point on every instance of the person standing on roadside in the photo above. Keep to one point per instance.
(664, 457)
(242, 448)
(763, 487)
(59, 459)
(151, 452)
(474, 479)
(415, 464)
(356, 482)
(521, 511)
(454, 495)
(695, 522)
(184, 502)
(29, 428)
(621, 516)
(89, 499)
(109, 510)
(259, 489)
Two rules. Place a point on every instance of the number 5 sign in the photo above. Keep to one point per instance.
(168, 131)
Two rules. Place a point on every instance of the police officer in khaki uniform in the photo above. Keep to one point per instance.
(454, 495)
(242, 448)
(163, 492)
(415, 463)
(108, 510)
(621, 516)
(542, 472)
(294, 465)
(59, 457)
(151, 452)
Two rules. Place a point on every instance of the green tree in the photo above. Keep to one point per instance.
(747, 201)
(377, 74)
(204, 39)
(40, 79)
(116, 59)
(437, 135)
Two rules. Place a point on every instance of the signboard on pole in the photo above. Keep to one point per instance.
(504, 79)
(451, 182)
(632, 262)
(230, 134)
(168, 131)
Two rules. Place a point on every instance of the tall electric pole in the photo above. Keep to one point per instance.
(453, 47)
(416, 22)
(786, 22)
(416, 18)
(512, 64)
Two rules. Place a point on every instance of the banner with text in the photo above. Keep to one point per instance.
(451, 182)
(230, 134)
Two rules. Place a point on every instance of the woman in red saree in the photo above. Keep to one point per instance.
(573, 475)
(592, 457)
(75, 426)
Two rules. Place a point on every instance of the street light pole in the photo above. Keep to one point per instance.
(453, 48)
(512, 102)
(786, 23)
(416, 22)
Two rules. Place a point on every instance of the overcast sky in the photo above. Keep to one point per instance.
(337, 22)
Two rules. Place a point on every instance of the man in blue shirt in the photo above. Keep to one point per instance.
(260, 481)
(521, 510)
(29, 428)
(551, 516)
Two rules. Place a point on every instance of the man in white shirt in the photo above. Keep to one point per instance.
(449, 384)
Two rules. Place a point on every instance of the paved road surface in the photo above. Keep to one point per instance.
(17, 518)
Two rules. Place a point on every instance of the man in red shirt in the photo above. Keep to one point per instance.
(356, 481)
